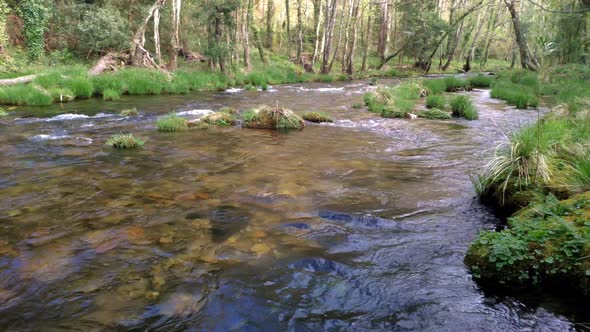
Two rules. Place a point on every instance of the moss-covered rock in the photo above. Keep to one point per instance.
(547, 241)
(219, 119)
(266, 117)
(197, 124)
(129, 112)
(316, 117)
(228, 110)
(434, 114)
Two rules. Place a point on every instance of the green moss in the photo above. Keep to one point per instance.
(547, 241)
(316, 117)
(434, 114)
(124, 141)
(171, 123)
(220, 119)
(436, 101)
(111, 95)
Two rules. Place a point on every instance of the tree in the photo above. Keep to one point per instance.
(527, 59)
(330, 21)
(34, 15)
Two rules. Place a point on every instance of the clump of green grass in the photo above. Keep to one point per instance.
(220, 119)
(62, 95)
(521, 96)
(316, 117)
(480, 81)
(463, 107)
(341, 77)
(171, 123)
(3, 112)
(394, 102)
(434, 114)
(124, 141)
(25, 94)
(81, 86)
(435, 86)
(111, 95)
(267, 117)
(228, 110)
(129, 112)
(436, 101)
(326, 78)
(454, 84)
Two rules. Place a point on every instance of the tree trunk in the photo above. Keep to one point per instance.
(299, 31)
(245, 35)
(527, 60)
(366, 43)
(453, 41)
(175, 34)
(269, 24)
(288, 19)
(328, 34)
(383, 30)
(139, 55)
(337, 46)
(255, 32)
(317, 12)
(157, 36)
(351, 48)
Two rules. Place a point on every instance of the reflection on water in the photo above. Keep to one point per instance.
(357, 225)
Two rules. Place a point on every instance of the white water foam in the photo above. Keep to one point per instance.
(326, 90)
(234, 90)
(194, 112)
(75, 116)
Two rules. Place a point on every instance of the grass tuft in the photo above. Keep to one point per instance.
(124, 141)
(462, 106)
(171, 123)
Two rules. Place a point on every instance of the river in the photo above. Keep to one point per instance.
(358, 225)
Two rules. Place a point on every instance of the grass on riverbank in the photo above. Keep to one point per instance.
(396, 101)
(549, 239)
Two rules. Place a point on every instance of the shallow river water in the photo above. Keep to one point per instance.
(357, 225)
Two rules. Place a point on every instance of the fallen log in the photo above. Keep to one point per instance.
(17, 80)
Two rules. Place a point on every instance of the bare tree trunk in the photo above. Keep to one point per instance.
(245, 35)
(527, 60)
(157, 36)
(139, 55)
(175, 34)
(471, 52)
(453, 42)
(288, 18)
(383, 30)
(255, 32)
(317, 12)
(337, 46)
(366, 43)
(346, 35)
(328, 34)
(269, 24)
(351, 48)
(299, 30)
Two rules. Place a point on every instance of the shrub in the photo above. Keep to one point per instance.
(171, 123)
(462, 106)
(124, 141)
(480, 81)
(316, 117)
(102, 29)
(434, 114)
(129, 112)
(111, 95)
(435, 101)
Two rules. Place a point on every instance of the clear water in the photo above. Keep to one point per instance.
(358, 225)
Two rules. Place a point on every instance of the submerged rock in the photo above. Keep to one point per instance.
(266, 117)
(547, 241)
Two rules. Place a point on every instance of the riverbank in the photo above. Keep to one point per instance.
(538, 166)
(69, 83)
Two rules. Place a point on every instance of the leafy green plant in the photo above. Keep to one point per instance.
(34, 15)
(124, 141)
(171, 123)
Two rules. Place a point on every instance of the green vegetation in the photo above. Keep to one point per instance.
(3, 112)
(129, 112)
(266, 117)
(436, 86)
(394, 102)
(436, 101)
(357, 105)
(434, 114)
(549, 240)
(111, 95)
(463, 107)
(228, 110)
(124, 141)
(480, 81)
(171, 123)
(518, 88)
(220, 119)
(316, 117)
(454, 84)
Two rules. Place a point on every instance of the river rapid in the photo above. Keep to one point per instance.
(358, 225)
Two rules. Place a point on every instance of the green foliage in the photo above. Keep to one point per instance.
(462, 106)
(434, 114)
(124, 141)
(394, 102)
(102, 29)
(436, 101)
(25, 95)
(34, 15)
(3, 112)
(171, 123)
(435, 86)
(129, 112)
(548, 240)
(317, 117)
(326, 78)
(111, 95)
(81, 86)
(143, 81)
(521, 96)
(266, 117)
(480, 81)
(454, 84)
